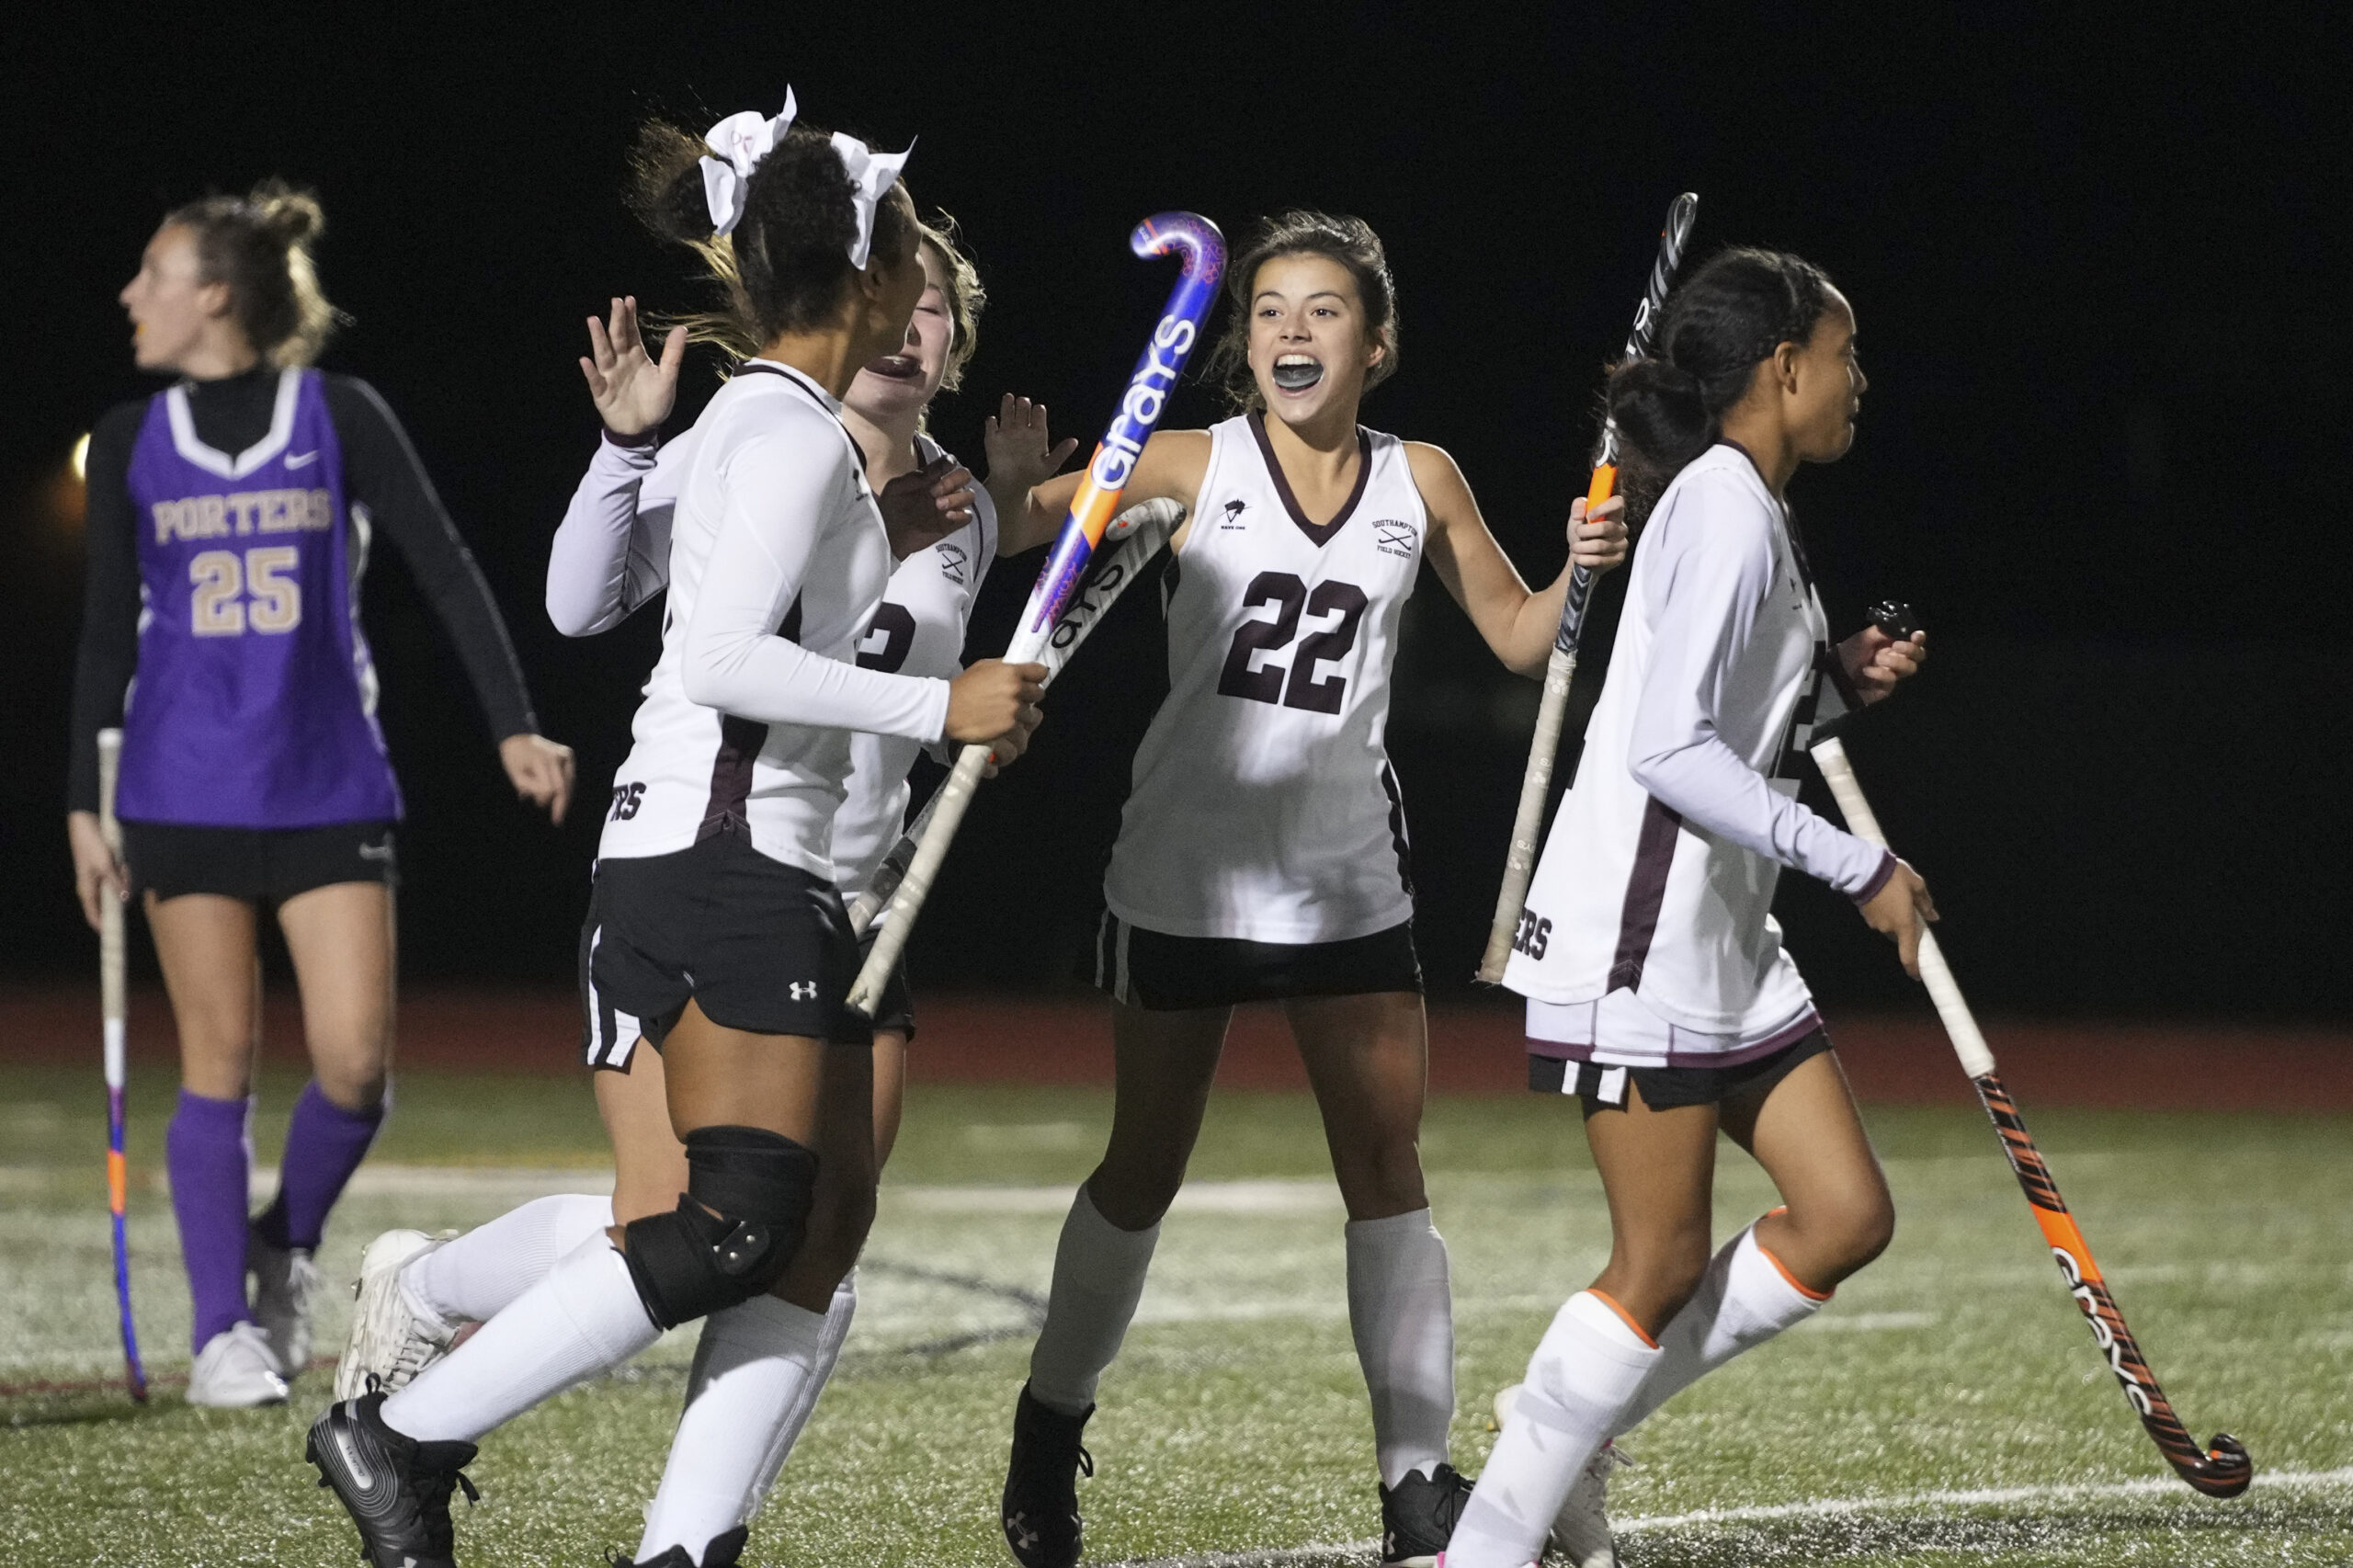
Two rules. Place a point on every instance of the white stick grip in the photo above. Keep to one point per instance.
(111, 937)
(1527, 821)
(1960, 1025)
(946, 815)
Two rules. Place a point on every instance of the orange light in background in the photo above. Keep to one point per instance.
(64, 495)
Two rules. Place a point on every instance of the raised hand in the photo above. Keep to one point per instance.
(924, 505)
(1022, 453)
(633, 391)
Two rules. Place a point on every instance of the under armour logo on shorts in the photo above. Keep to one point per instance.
(804, 990)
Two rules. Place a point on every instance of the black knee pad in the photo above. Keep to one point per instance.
(740, 1222)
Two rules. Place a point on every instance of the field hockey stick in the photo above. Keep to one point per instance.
(111, 997)
(1202, 248)
(1135, 537)
(1544, 747)
(2220, 1468)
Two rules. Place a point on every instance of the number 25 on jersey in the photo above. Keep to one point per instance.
(231, 596)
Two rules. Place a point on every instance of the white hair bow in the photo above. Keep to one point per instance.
(741, 140)
(871, 173)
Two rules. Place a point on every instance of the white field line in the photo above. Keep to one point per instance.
(1822, 1508)
(1987, 1496)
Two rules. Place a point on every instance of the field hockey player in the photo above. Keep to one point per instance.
(1658, 990)
(762, 1363)
(715, 930)
(1262, 855)
(230, 521)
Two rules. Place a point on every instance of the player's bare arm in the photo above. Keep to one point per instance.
(1173, 465)
(1518, 625)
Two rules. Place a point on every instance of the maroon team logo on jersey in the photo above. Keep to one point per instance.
(951, 561)
(1393, 536)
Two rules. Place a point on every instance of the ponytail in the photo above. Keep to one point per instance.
(1718, 326)
(782, 266)
(259, 245)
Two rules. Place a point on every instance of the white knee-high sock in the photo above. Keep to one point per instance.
(1098, 1279)
(473, 1278)
(839, 1314)
(1400, 1310)
(584, 1318)
(1744, 1300)
(1586, 1370)
(757, 1364)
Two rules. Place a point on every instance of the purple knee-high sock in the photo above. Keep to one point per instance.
(325, 1143)
(209, 1151)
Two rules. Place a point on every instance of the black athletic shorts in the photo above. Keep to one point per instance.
(264, 864)
(896, 1009)
(759, 945)
(1664, 1088)
(1161, 973)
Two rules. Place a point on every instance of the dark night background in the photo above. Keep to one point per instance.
(2097, 263)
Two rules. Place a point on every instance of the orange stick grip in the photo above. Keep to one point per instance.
(1605, 484)
(118, 1181)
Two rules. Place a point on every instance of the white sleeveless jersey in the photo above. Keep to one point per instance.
(917, 630)
(1264, 807)
(1658, 875)
(777, 560)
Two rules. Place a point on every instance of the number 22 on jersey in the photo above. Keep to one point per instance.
(1244, 676)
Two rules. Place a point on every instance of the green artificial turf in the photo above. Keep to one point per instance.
(1234, 1421)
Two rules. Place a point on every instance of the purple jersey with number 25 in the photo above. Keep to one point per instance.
(255, 704)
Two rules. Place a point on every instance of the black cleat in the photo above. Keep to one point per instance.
(396, 1488)
(1040, 1508)
(1417, 1517)
(722, 1550)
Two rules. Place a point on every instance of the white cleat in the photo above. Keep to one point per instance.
(1581, 1529)
(1506, 1398)
(236, 1371)
(286, 1283)
(393, 1335)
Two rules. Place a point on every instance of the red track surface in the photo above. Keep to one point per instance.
(1474, 1050)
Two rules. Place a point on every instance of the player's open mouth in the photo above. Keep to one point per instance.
(1297, 372)
(897, 367)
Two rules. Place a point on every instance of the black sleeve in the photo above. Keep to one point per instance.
(108, 655)
(381, 470)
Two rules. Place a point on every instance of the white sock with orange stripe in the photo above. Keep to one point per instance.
(1744, 1300)
(1590, 1365)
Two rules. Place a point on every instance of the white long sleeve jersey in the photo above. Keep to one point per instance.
(612, 553)
(1658, 875)
(776, 561)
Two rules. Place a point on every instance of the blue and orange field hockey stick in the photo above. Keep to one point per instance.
(1202, 249)
(2220, 1468)
(1536, 782)
(110, 990)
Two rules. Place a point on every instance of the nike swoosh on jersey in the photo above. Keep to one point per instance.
(377, 851)
(301, 459)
